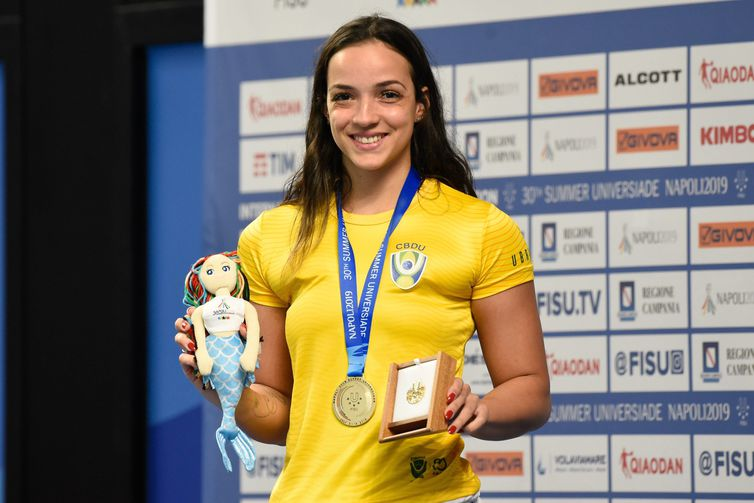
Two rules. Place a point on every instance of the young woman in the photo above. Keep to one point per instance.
(382, 187)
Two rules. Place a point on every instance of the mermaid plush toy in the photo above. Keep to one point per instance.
(216, 286)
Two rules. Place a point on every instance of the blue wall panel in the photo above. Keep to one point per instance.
(175, 154)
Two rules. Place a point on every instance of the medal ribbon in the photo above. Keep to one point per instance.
(357, 319)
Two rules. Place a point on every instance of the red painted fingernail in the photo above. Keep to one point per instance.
(452, 430)
(449, 414)
(191, 346)
(451, 397)
(183, 325)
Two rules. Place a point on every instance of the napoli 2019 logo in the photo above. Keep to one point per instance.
(407, 267)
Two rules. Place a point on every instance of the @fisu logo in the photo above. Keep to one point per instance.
(407, 267)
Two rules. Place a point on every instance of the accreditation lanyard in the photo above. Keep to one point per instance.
(357, 319)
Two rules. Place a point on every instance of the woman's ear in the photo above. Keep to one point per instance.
(422, 105)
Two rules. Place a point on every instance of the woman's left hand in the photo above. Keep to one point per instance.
(465, 411)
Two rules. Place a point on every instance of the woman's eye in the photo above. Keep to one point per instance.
(391, 95)
(340, 97)
(226, 268)
(210, 272)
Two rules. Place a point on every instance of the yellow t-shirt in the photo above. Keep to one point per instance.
(472, 250)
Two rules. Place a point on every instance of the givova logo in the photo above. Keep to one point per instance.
(724, 461)
(722, 234)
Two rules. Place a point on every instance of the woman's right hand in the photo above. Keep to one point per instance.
(187, 358)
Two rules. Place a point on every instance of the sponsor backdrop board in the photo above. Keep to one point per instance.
(621, 139)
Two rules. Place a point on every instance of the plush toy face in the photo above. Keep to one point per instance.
(218, 271)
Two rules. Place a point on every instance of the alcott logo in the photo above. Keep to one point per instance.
(634, 465)
(627, 301)
(554, 85)
(407, 266)
(273, 164)
(726, 234)
(651, 139)
(643, 78)
(710, 362)
(260, 109)
(497, 464)
(729, 463)
(712, 75)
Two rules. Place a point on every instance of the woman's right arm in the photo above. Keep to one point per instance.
(264, 407)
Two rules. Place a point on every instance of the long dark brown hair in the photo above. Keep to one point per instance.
(322, 173)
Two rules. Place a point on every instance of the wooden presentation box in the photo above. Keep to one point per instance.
(416, 397)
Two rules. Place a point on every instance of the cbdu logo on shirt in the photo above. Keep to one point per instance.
(407, 267)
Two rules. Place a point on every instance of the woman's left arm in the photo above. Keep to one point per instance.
(511, 338)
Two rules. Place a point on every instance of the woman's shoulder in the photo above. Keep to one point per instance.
(274, 224)
(285, 214)
(439, 195)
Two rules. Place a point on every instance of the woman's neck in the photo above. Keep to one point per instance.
(374, 191)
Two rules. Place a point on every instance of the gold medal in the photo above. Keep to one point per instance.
(354, 401)
(415, 393)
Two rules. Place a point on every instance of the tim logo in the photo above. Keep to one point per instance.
(627, 301)
(407, 267)
(260, 167)
(558, 85)
(710, 362)
(273, 164)
(650, 139)
(549, 242)
(472, 146)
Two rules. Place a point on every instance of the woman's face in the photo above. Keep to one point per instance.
(372, 107)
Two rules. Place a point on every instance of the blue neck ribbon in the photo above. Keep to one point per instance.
(357, 319)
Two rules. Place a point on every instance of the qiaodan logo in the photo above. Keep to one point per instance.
(407, 267)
